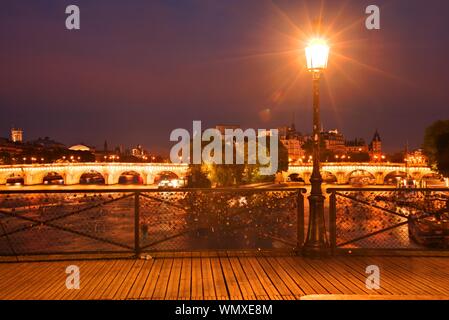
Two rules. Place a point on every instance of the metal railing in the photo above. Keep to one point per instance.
(91, 221)
(384, 220)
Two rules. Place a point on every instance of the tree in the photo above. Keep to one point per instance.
(359, 156)
(326, 155)
(226, 175)
(436, 145)
(197, 177)
(397, 157)
(442, 155)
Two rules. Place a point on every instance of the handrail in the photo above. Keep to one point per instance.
(148, 190)
(330, 190)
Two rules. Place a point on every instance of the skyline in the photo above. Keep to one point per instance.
(132, 74)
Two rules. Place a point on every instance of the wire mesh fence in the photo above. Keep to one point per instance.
(386, 219)
(103, 221)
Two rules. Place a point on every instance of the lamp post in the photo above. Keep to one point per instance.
(316, 244)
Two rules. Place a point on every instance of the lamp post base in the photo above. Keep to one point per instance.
(316, 250)
(316, 244)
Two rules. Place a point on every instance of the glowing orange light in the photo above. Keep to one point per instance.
(317, 55)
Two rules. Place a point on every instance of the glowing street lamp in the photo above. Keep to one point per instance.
(317, 54)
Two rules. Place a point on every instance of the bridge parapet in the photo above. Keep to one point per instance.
(72, 172)
(378, 171)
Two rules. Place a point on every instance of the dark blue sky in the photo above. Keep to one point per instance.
(138, 69)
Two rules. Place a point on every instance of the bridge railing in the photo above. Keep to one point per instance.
(385, 220)
(58, 222)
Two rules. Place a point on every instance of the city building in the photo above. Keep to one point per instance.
(356, 146)
(334, 141)
(16, 135)
(293, 141)
(375, 148)
(140, 152)
(82, 147)
(416, 157)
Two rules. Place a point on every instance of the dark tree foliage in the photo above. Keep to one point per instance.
(197, 178)
(359, 156)
(436, 144)
(442, 155)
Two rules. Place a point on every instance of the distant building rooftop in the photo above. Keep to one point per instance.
(80, 147)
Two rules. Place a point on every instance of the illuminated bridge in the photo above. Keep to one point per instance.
(341, 173)
(72, 173)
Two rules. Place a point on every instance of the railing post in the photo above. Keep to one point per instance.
(333, 220)
(300, 220)
(137, 223)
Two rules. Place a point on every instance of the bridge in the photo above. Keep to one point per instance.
(341, 173)
(71, 173)
(237, 244)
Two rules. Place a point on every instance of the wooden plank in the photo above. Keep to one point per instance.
(404, 280)
(142, 281)
(254, 280)
(111, 288)
(264, 279)
(129, 280)
(162, 280)
(9, 272)
(387, 278)
(104, 282)
(221, 277)
(282, 269)
(56, 278)
(230, 280)
(354, 264)
(338, 276)
(359, 279)
(430, 275)
(185, 282)
(305, 281)
(416, 283)
(242, 280)
(208, 280)
(88, 270)
(173, 281)
(91, 286)
(34, 280)
(219, 280)
(151, 280)
(58, 290)
(8, 285)
(197, 279)
(281, 286)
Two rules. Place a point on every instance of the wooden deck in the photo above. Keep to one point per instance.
(227, 277)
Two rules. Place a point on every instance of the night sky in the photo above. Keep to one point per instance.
(138, 69)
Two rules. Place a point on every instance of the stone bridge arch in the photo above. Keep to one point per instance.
(5, 175)
(360, 175)
(35, 176)
(390, 178)
(165, 174)
(90, 177)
